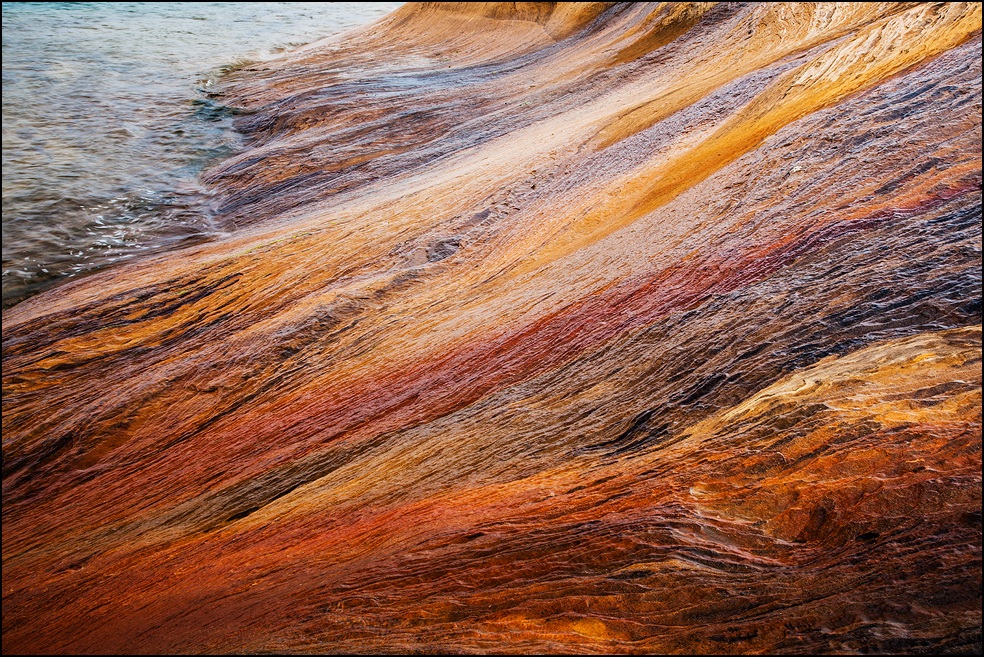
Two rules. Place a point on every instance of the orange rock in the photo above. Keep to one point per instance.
(546, 328)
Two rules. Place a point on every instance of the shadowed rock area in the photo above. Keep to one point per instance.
(575, 327)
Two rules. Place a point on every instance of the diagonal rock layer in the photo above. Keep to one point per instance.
(544, 327)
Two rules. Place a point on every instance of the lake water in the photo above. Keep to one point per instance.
(106, 127)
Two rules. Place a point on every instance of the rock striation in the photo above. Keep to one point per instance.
(546, 327)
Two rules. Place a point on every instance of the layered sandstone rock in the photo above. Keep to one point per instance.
(591, 327)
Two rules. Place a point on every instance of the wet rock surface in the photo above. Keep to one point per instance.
(573, 328)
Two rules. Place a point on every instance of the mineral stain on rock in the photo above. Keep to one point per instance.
(549, 327)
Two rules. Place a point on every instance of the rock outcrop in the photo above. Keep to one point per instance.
(588, 327)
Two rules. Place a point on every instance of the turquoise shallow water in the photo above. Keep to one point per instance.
(106, 127)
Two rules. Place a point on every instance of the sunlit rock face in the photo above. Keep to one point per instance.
(573, 328)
